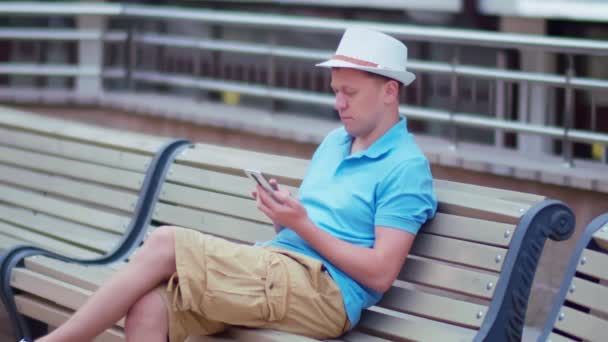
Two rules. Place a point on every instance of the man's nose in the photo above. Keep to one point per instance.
(340, 102)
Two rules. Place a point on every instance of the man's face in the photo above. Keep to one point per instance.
(360, 100)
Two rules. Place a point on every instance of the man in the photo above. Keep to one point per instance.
(337, 249)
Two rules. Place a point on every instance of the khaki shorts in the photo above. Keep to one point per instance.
(220, 283)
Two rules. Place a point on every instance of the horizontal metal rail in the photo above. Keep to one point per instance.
(460, 119)
(298, 53)
(413, 64)
(427, 34)
(66, 70)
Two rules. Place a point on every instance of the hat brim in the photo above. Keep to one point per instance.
(402, 76)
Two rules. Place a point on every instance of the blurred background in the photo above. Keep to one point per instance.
(509, 93)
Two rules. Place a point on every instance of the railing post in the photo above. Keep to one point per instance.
(90, 56)
(568, 113)
(454, 98)
(499, 99)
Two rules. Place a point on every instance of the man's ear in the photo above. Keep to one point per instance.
(391, 92)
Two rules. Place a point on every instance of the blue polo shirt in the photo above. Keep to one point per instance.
(388, 184)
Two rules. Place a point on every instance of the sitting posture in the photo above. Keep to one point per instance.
(339, 245)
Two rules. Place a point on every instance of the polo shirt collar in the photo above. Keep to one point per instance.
(389, 140)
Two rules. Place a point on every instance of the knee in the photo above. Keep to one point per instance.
(159, 248)
(149, 312)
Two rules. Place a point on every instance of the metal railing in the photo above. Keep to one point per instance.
(132, 40)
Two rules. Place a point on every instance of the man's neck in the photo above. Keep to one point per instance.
(363, 142)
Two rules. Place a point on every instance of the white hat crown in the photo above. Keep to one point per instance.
(371, 51)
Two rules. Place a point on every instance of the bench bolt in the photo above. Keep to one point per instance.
(572, 288)
(489, 286)
(583, 260)
(480, 314)
(507, 234)
(498, 258)
(561, 316)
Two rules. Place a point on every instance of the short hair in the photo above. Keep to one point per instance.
(386, 79)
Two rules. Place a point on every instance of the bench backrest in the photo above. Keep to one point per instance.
(447, 283)
(71, 188)
(580, 310)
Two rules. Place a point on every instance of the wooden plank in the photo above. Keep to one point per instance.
(211, 223)
(85, 277)
(470, 229)
(55, 316)
(433, 306)
(70, 296)
(7, 242)
(357, 336)
(589, 294)
(59, 147)
(593, 263)
(408, 328)
(601, 237)
(60, 229)
(234, 160)
(553, 337)
(77, 190)
(446, 277)
(62, 209)
(79, 132)
(459, 252)
(502, 194)
(585, 326)
(465, 203)
(46, 242)
(20, 159)
(213, 201)
(235, 184)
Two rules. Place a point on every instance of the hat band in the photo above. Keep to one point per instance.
(353, 60)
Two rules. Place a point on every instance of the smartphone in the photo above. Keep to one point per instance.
(258, 177)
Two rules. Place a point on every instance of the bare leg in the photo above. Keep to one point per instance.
(154, 263)
(148, 320)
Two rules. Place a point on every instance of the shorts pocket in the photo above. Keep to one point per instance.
(252, 293)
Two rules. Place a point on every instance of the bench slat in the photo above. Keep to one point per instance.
(82, 235)
(601, 237)
(63, 209)
(70, 296)
(471, 229)
(408, 328)
(75, 169)
(60, 147)
(97, 135)
(357, 336)
(6, 242)
(553, 337)
(582, 325)
(213, 201)
(235, 184)
(589, 294)
(85, 277)
(459, 252)
(55, 316)
(433, 306)
(429, 273)
(46, 242)
(594, 264)
(80, 191)
(505, 195)
(211, 223)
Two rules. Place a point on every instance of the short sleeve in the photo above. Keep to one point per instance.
(405, 199)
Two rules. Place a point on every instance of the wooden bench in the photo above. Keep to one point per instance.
(72, 189)
(580, 310)
(468, 276)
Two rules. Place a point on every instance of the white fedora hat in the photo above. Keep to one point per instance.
(371, 51)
